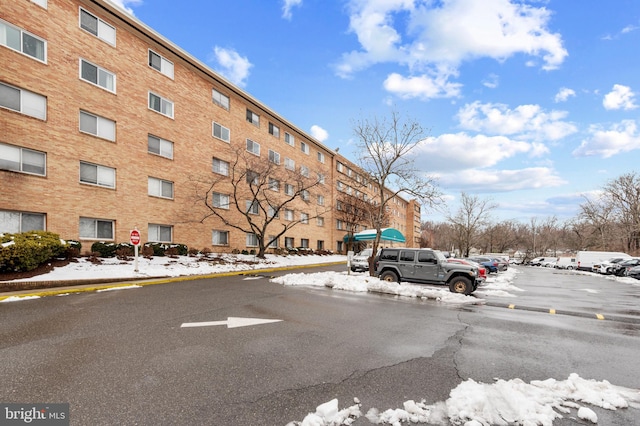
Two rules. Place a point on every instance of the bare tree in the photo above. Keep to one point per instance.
(599, 213)
(353, 212)
(262, 192)
(469, 220)
(624, 196)
(386, 148)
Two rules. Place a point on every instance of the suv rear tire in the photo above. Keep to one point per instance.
(389, 276)
(461, 285)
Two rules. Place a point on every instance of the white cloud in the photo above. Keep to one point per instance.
(231, 65)
(319, 133)
(123, 4)
(525, 121)
(620, 97)
(621, 137)
(440, 36)
(491, 81)
(502, 180)
(422, 86)
(564, 94)
(287, 5)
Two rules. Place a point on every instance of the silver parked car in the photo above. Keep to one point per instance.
(360, 261)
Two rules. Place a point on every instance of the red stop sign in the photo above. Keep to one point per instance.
(134, 236)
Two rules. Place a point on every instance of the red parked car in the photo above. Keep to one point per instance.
(482, 271)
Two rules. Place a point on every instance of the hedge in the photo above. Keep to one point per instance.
(28, 250)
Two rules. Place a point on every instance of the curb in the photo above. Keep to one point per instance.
(91, 285)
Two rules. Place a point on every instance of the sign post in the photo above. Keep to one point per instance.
(134, 237)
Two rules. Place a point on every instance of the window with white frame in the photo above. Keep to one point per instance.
(273, 241)
(274, 130)
(220, 201)
(339, 224)
(304, 147)
(13, 222)
(320, 200)
(304, 171)
(252, 178)
(304, 218)
(22, 160)
(274, 184)
(305, 195)
(17, 39)
(289, 139)
(23, 101)
(96, 229)
(220, 238)
(273, 212)
(220, 99)
(289, 164)
(95, 174)
(97, 27)
(99, 76)
(320, 221)
(321, 157)
(160, 104)
(252, 239)
(159, 146)
(253, 207)
(160, 188)
(304, 242)
(274, 157)
(321, 178)
(221, 132)
(160, 63)
(41, 3)
(289, 242)
(253, 118)
(340, 167)
(253, 147)
(220, 167)
(97, 126)
(289, 189)
(160, 233)
(288, 214)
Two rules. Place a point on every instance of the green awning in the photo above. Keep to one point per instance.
(388, 234)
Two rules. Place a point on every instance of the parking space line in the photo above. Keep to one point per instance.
(556, 312)
(600, 316)
(552, 311)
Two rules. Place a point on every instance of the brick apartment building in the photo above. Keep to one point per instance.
(105, 126)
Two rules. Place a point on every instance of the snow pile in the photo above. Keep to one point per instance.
(504, 402)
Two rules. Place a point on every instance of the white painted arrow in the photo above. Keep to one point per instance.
(231, 322)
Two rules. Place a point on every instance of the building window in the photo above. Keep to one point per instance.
(21, 41)
(220, 167)
(160, 188)
(304, 218)
(289, 139)
(160, 233)
(16, 222)
(288, 214)
(273, 241)
(23, 101)
(97, 126)
(289, 164)
(274, 157)
(96, 75)
(96, 229)
(304, 147)
(289, 242)
(273, 212)
(289, 189)
(253, 147)
(97, 175)
(321, 157)
(221, 132)
(321, 178)
(304, 242)
(220, 238)
(252, 178)
(339, 224)
(160, 104)
(253, 118)
(97, 27)
(41, 3)
(320, 245)
(304, 171)
(220, 201)
(220, 99)
(161, 64)
(320, 200)
(340, 167)
(22, 160)
(274, 130)
(253, 207)
(252, 239)
(159, 146)
(305, 195)
(274, 184)
(320, 221)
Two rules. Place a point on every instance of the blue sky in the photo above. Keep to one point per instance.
(531, 104)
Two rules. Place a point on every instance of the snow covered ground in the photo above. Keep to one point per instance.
(470, 404)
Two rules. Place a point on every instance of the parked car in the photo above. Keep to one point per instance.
(622, 267)
(634, 272)
(503, 264)
(360, 262)
(566, 263)
(548, 263)
(482, 271)
(606, 266)
(487, 262)
(537, 261)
